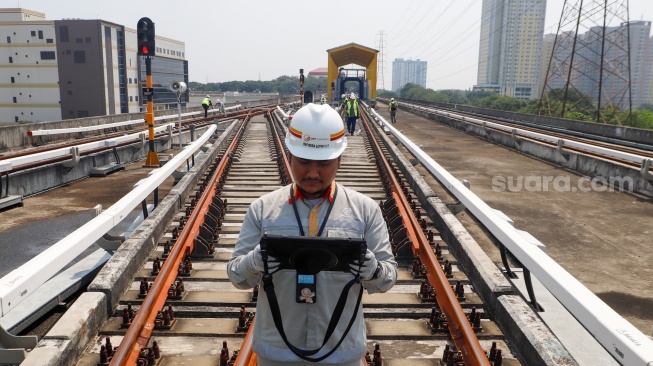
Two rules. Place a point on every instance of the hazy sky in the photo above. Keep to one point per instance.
(264, 39)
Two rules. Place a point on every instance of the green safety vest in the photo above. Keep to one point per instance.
(206, 101)
(351, 104)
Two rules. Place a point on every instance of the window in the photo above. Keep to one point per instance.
(33, 33)
(47, 55)
(8, 39)
(63, 34)
(40, 34)
(13, 80)
(130, 80)
(15, 101)
(49, 40)
(88, 39)
(11, 60)
(80, 57)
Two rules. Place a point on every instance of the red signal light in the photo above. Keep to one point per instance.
(145, 50)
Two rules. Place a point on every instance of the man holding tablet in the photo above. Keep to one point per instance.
(311, 308)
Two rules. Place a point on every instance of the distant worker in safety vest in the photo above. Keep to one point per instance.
(206, 103)
(323, 100)
(352, 114)
(392, 107)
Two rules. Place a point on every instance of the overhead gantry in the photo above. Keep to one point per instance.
(352, 53)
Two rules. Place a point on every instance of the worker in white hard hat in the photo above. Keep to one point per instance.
(392, 108)
(206, 103)
(323, 100)
(300, 306)
(351, 108)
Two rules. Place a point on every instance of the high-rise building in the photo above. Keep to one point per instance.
(74, 68)
(640, 60)
(649, 76)
(510, 50)
(408, 71)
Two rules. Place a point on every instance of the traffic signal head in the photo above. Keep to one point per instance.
(145, 35)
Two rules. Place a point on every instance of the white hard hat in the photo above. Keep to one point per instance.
(208, 96)
(392, 98)
(352, 95)
(316, 132)
(344, 96)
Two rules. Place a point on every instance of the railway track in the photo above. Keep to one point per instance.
(182, 309)
(644, 151)
(195, 122)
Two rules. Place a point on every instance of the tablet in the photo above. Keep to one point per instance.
(310, 255)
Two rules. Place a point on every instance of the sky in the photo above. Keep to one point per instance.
(263, 39)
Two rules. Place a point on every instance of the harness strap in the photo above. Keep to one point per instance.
(268, 286)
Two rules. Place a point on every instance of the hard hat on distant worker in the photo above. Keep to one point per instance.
(316, 133)
(344, 96)
(352, 96)
(392, 98)
(208, 96)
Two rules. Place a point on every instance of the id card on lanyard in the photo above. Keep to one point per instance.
(306, 284)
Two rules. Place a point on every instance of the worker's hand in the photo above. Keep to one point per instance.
(254, 262)
(365, 269)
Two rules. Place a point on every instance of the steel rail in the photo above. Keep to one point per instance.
(138, 335)
(459, 327)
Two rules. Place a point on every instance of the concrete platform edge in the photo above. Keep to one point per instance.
(537, 345)
(67, 340)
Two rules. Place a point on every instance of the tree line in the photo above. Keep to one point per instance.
(578, 108)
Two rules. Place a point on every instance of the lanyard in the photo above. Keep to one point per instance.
(326, 217)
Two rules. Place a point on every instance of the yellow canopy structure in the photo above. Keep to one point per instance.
(353, 54)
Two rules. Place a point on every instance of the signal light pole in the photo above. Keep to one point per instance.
(146, 48)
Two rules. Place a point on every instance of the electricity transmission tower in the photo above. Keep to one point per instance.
(589, 64)
(380, 66)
